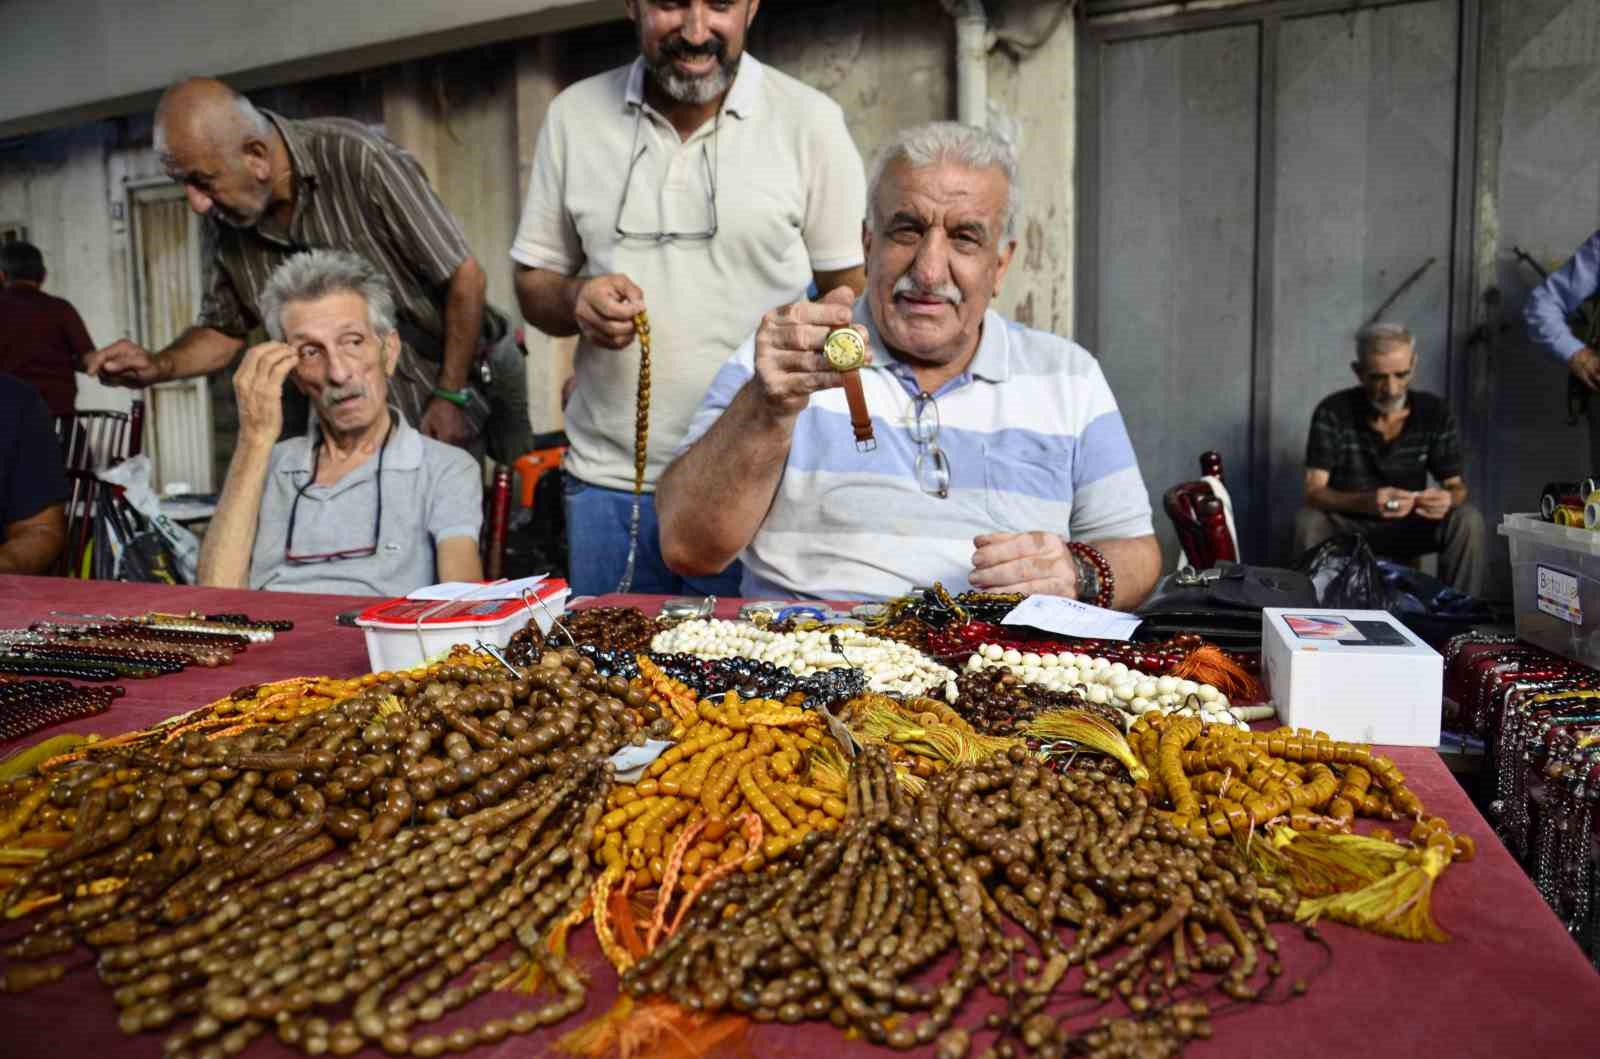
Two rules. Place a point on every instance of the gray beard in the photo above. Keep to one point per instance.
(694, 89)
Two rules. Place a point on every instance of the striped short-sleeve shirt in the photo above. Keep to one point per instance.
(1034, 439)
(354, 191)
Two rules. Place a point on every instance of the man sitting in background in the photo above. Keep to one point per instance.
(33, 482)
(362, 504)
(1368, 458)
(42, 337)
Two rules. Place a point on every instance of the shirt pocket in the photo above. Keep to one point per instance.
(1028, 482)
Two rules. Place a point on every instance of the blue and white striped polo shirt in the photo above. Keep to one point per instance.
(1034, 440)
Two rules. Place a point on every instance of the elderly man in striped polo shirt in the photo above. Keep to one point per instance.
(1002, 462)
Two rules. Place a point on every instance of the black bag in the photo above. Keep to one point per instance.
(1345, 573)
(1222, 604)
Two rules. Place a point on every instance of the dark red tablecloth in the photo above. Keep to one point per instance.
(1510, 983)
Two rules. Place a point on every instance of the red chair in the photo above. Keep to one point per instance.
(1201, 517)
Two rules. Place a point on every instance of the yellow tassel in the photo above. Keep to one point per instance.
(27, 759)
(1090, 731)
(1396, 906)
(1319, 864)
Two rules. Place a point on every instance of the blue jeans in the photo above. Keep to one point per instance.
(597, 543)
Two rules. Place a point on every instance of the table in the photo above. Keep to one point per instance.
(1511, 981)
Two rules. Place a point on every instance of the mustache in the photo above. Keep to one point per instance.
(678, 48)
(906, 285)
(333, 396)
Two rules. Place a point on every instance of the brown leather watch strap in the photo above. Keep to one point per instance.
(860, 419)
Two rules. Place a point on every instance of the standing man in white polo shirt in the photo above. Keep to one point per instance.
(702, 187)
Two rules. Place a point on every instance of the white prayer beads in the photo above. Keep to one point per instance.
(1112, 683)
(890, 666)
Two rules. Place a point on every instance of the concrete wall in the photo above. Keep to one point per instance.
(86, 59)
(1538, 189)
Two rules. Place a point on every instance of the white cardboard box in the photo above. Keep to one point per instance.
(1358, 675)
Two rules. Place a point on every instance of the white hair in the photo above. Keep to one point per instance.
(949, 141)
(1380, 338)
(319, 273)
(248, 123)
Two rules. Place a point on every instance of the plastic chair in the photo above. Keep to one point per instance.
(1201, 517)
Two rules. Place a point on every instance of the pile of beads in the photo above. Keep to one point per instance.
(611, 628)
(1102, 681)
(29, 705)
(890, 666)
(1156, 658)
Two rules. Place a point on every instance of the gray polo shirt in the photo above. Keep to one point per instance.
(431, 491)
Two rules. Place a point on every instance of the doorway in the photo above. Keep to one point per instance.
(165, 249)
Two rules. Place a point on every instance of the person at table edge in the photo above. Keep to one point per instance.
(702, 186)
(1545, 314)
(269, 187)
(33, 482)
(1368, 456)
(1027, 479)
(362, 504)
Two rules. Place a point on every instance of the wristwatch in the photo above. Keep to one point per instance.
(846, 351)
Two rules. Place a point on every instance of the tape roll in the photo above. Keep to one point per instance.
(1589, 486)
(1549, 503)
(1591, 512)
(1568, 515)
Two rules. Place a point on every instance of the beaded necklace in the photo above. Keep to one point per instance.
(641, 441)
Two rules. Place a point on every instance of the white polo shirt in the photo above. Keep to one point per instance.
(790, 193)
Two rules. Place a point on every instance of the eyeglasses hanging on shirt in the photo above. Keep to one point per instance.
(933, 466)
(708, 160)
(345, 553)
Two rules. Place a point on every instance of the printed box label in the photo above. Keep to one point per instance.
(1558, 595)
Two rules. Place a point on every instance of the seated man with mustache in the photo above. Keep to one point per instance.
(362, 504)
(1002, 462)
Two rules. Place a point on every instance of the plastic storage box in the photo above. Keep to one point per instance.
(1555, 578)
(402, 633)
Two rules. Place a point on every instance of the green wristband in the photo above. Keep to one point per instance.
(455, 397)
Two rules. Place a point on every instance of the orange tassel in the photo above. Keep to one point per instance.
(626, 927)
(656, 1028)
(1208, 664)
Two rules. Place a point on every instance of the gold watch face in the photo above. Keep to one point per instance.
(845, 349)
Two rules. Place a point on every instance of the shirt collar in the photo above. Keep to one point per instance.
(304, 168)
(991, 362)
(742, 94)
(404, 452)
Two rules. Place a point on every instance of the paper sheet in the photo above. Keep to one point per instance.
(631, 761)
(1069, 617)
(494, 590)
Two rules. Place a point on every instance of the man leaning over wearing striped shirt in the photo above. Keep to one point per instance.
(996, 444)
(270, 188)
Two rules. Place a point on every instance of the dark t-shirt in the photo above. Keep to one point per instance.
(42, 340)
(1358, 460)
(32, 471)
